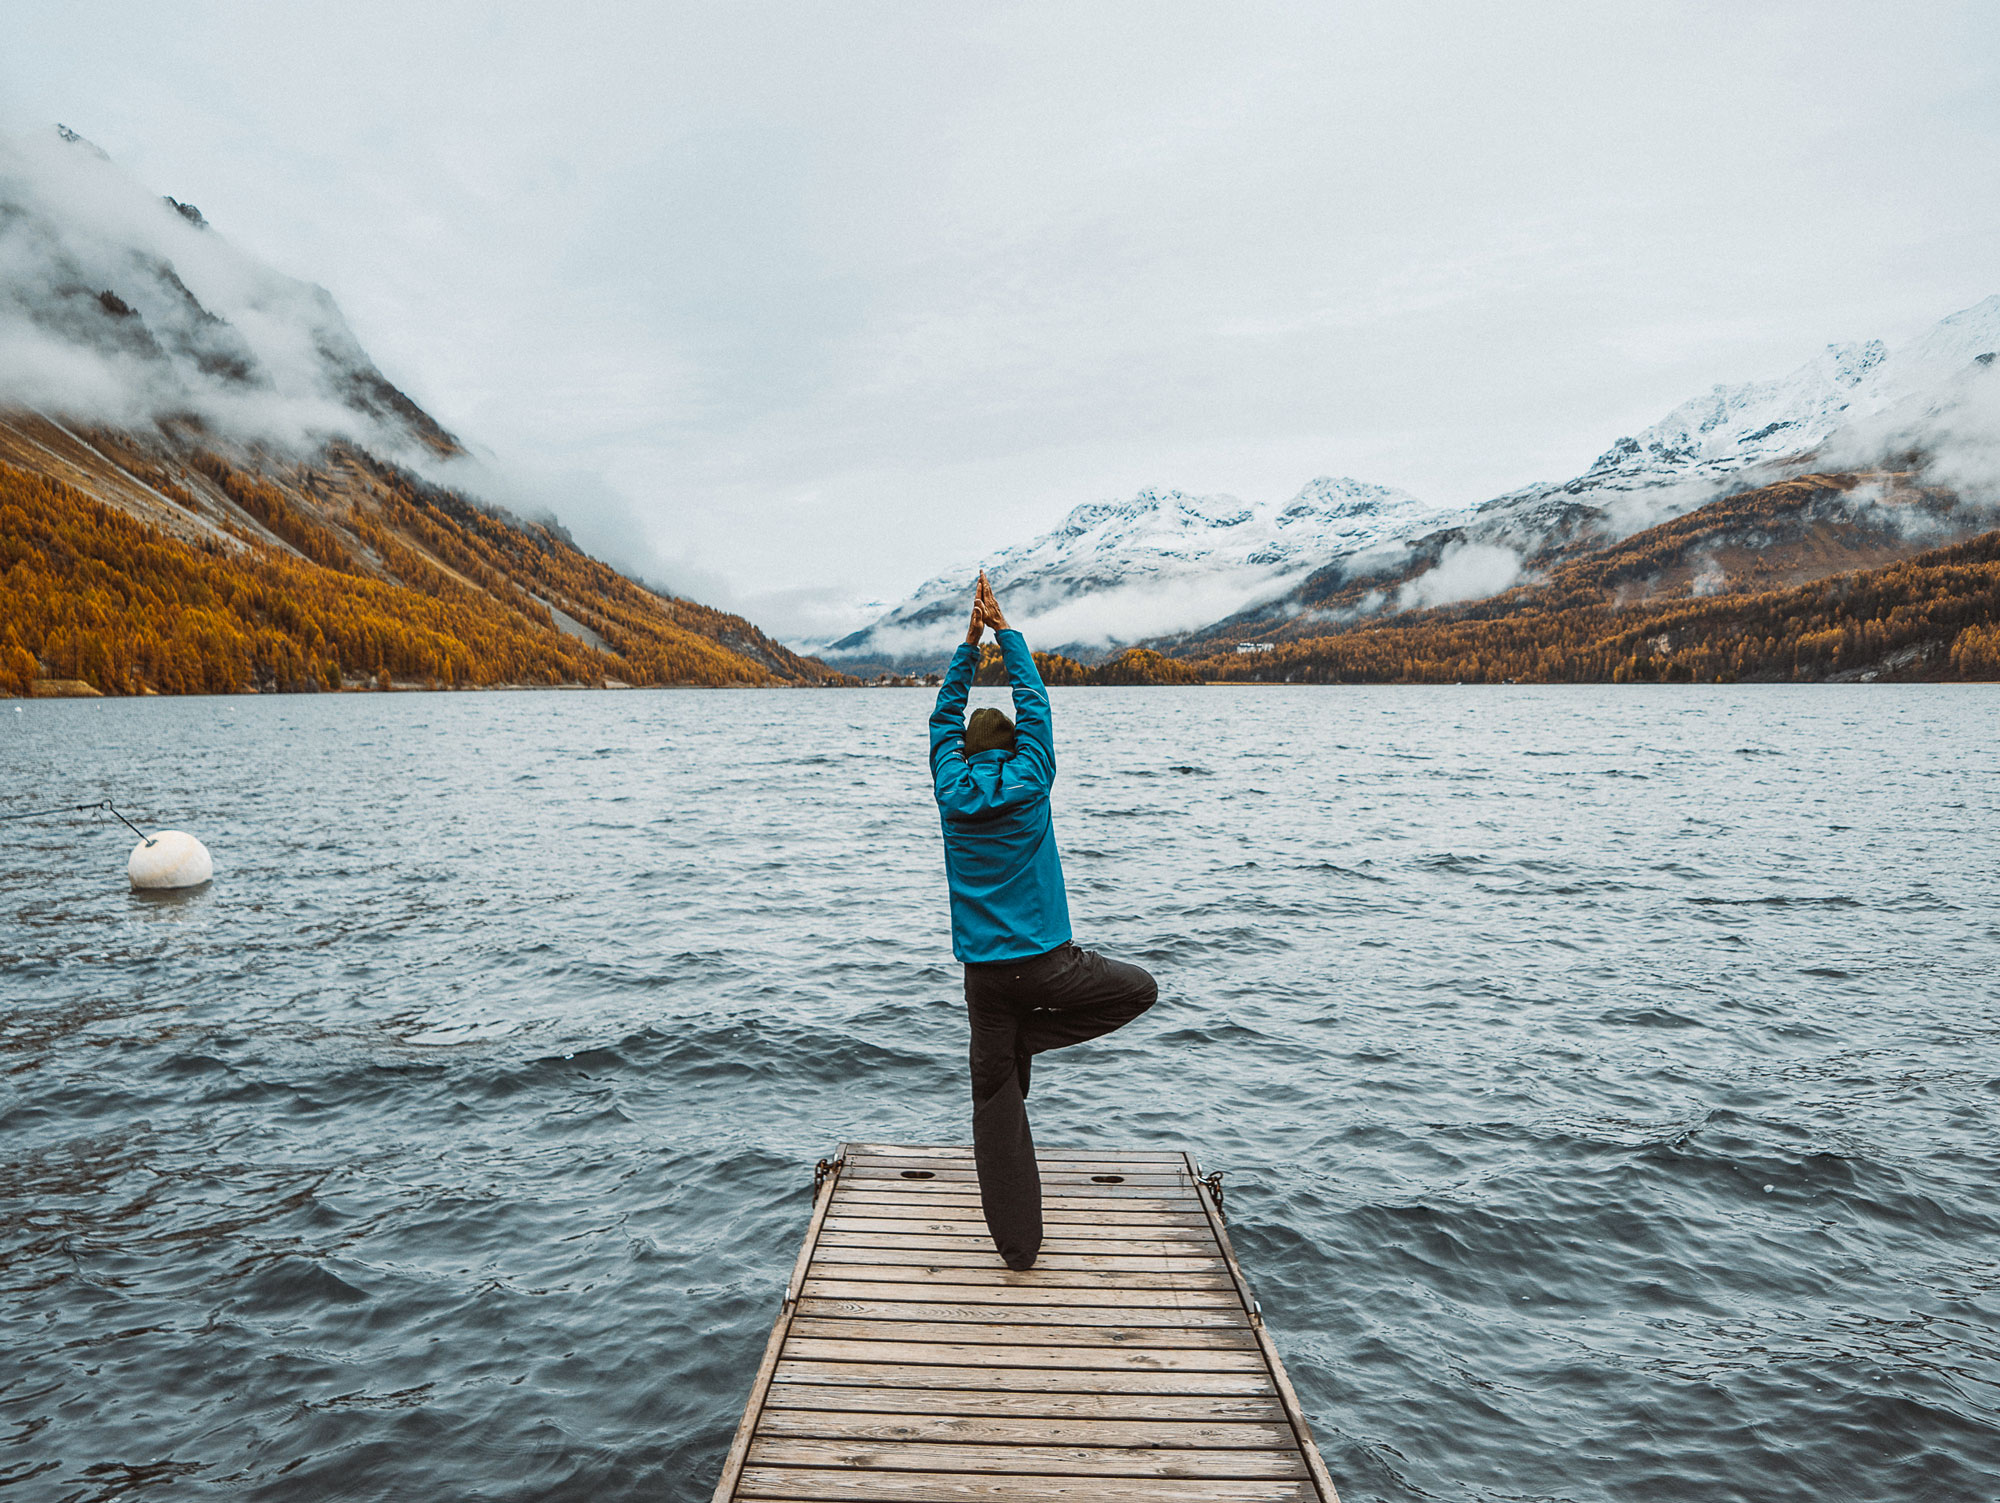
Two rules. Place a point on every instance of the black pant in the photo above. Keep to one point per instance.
(1018, 1009)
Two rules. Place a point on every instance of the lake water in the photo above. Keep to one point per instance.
(1606, 1080)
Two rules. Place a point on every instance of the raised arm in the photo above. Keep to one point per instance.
(1032, 721)
(948, 715)
(1034, 727)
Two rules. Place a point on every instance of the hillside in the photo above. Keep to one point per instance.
(1785, 533)
(157, 565)
(1763, 586)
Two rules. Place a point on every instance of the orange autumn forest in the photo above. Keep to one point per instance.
(347, 573)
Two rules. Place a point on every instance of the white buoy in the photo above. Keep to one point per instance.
(172, 858)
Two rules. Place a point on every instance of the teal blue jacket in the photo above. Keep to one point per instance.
(1007, 898)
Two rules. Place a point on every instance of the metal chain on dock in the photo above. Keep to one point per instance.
(1213, 1180)
(824, 1170)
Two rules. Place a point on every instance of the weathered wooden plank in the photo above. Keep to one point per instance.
(818, 1286)
(1068, 1185)
(739, 1446)
(1047, 1262)
(967, 1205)
(1022, 1380)
(1055, 1208)
(884, 1209)
(1054, 1212)
(966, 1221)
(1168, 1163)
(1053, 1187)
(1034, 1278)
(1193, 1409)
(1281, 1383)
(1097, 1198)
(760, 1384)
(980, 1242)
(1013, 1312)
(1150, 1359)
(1026, 1461)
(935, 1169)
(784, 1484)
(938, 1171)
(1042, 1155)
(1126, 1366)
(928, 1224)
(1022, 1333)
(911, 1150)
(969, 1429)
(1110, 1179)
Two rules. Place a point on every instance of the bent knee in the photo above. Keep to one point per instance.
(1141, 990)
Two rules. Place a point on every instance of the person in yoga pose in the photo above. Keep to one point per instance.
(1028, 987)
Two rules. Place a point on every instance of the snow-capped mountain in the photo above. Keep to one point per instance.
(1710, 441)
(1112, 572)
(1162, 563)
(119, 306)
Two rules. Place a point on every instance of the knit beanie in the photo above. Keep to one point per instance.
(988, 730)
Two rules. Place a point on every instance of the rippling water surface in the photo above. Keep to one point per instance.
(1606, 1080)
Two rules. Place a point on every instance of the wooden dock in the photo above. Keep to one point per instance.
(909, 1365)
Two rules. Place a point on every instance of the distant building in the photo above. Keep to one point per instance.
(1242, 647)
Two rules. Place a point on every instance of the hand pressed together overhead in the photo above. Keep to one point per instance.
(985, 611)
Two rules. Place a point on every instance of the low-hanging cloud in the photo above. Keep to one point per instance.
(121, 307)
(1098, 620)
(1465, 571)
(1953, 433)
(599, 517)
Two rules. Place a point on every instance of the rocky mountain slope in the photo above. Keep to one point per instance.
(205, 485)
(129, 307)
(1785, 533)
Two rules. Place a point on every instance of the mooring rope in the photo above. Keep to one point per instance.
(81, 809)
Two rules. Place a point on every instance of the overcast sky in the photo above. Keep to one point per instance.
(795, 305)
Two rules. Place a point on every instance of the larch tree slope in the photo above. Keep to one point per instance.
(142, 564)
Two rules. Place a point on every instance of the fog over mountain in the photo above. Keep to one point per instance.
(119, 306)
(125, 307)
(1683, 459)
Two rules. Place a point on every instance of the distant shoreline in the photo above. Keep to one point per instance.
(77, 691)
